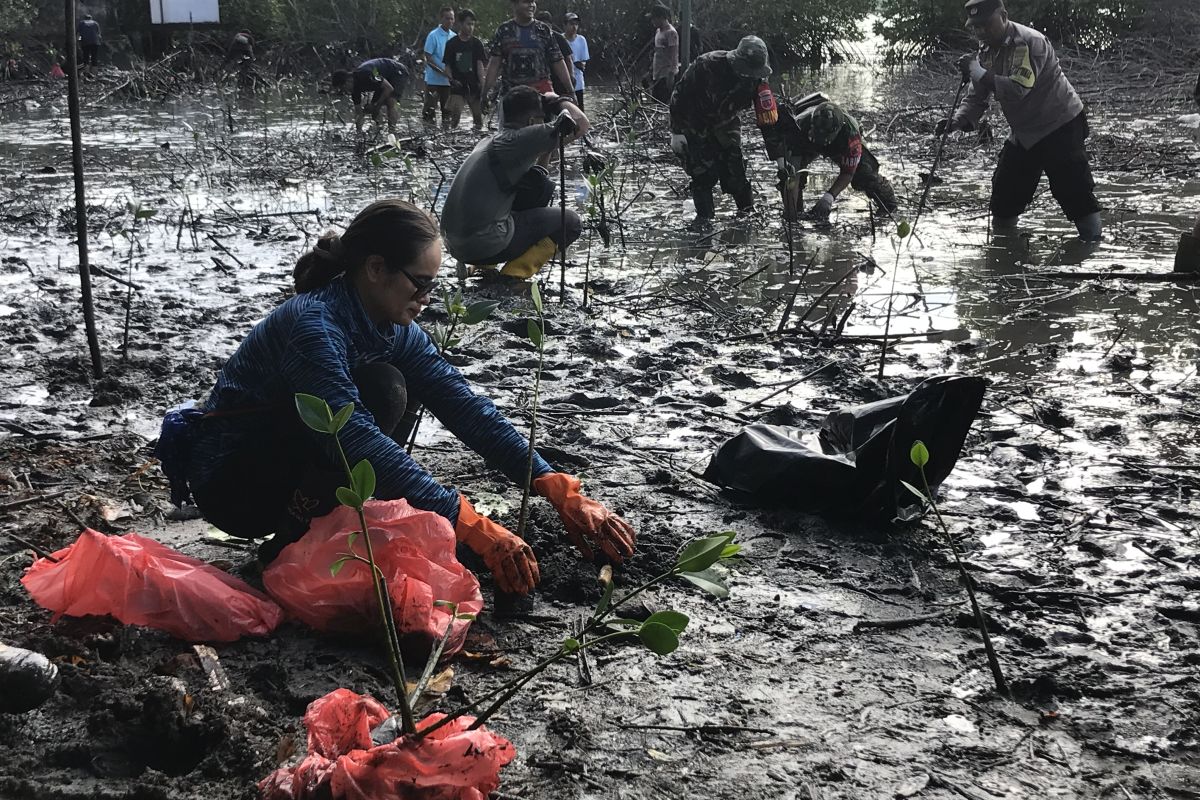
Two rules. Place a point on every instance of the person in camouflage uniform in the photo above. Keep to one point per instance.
(824, 129)
(705, 128)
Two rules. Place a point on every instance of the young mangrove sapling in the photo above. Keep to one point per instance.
(919, 455)
(537, 334)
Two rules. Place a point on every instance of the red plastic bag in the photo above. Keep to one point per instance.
(413, 548)
(453, 763)
(143, 582)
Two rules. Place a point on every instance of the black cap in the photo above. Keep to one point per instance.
(571, 16)
(980, 10)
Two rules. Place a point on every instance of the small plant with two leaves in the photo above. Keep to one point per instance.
(134, 214)
(537, 334)
(919, 455)
(458, 313)
(702, 562)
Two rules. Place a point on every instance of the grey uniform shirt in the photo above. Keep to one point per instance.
(1034, 94)
(477, 219)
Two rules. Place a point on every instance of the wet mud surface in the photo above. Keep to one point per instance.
(1074, 498)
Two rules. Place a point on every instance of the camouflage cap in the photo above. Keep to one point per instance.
(750, 58)
(822, 124)
(979, 11)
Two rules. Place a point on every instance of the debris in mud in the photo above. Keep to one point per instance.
(27, 679)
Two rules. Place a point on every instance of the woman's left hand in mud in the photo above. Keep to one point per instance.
(590, 524)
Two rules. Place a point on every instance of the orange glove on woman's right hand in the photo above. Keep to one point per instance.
(510, 559)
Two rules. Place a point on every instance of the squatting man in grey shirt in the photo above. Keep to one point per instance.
(1018, 68)
(497, 209)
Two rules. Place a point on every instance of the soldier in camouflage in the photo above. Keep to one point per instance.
(705, 128)
(824, 129)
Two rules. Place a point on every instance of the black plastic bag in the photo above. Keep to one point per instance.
(865, 453)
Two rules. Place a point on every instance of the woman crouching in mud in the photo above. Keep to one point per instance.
(348, 337)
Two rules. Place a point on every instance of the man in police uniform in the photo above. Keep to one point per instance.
(1018, 67)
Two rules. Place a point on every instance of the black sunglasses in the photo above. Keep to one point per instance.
(424, 286)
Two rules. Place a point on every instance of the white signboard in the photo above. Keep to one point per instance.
(183, 12)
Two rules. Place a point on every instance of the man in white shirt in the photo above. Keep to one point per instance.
(579, 52)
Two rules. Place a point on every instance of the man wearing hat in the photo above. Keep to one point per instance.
(1019, 68)
(579, 52)
(825, 130)
(705, 129)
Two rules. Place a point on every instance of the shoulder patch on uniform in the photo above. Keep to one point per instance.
(1022, 71)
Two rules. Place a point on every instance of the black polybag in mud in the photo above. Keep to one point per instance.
(865, 453)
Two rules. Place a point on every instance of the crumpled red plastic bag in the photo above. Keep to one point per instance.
(143, 582)
(452, 763)
(413, 548)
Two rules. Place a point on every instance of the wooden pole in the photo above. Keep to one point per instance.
(685, 36)
(85, 275)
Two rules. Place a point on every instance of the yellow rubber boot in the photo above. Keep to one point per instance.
(527, 264)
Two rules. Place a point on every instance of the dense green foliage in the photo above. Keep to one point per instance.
(1084, 23)
(617, 29)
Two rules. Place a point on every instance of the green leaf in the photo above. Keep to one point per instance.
(700, 554)
(903, 229)
(347, 497)
(351, 539)
(672, 619)
(919, 454)
(570, 645)
(478, 312)
(336, 566)
(314, 412)
(536, 293)
(707, 580)
(146, 213)
(915, 491)
(658, 638)
(467, 617)
(131, 208)
(341, 417)
(730, 551)
(535, 333)
(363, 479)
(376, 161)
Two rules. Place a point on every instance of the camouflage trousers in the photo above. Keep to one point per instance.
(866, 178)
(715, 156)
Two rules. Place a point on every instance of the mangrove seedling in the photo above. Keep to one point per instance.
(135, 214)
(701, 562)
(537, 334)
(457, 313)
(316, 414)
(919, 455)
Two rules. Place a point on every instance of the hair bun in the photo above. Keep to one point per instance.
(332, 245)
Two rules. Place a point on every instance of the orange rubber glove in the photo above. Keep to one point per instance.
(590, 526)
(510, 559)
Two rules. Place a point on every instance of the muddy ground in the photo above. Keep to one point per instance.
(1075, 497)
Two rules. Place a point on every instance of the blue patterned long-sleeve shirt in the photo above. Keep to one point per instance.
(311, 343)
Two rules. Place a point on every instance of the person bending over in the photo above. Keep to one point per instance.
(497, 209)
(347, 336)
(797, 140)
(385, 78)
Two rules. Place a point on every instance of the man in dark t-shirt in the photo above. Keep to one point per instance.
(564, 47)
(385, 78)
(465, 57)
(523, 53)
